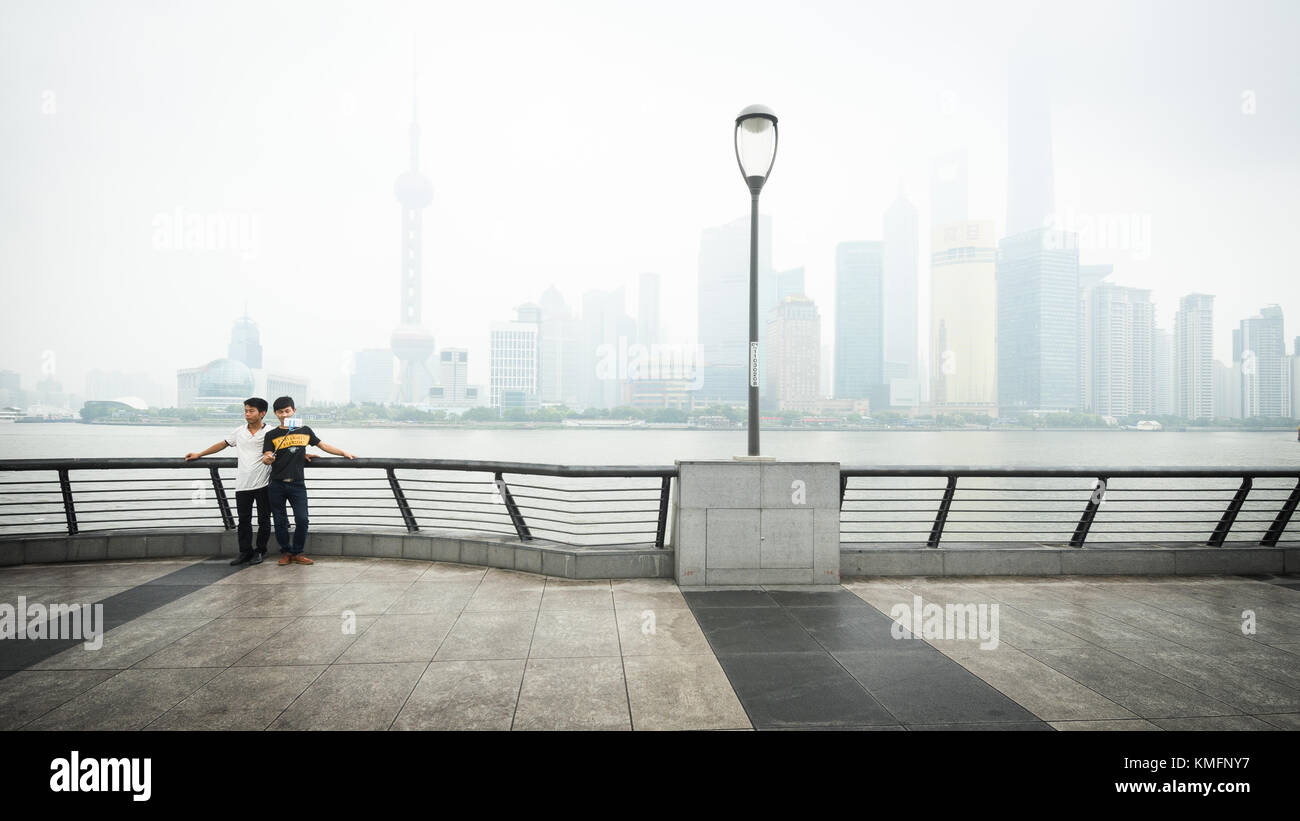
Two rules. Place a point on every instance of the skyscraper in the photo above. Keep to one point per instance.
(412, 344)
(794, 330)
(559, 341)
(607, 332)
(963, 318)
(512, 362)
(1163, 372)
(1030, 189)
(724, 307)
(1122, 337)
(1194, 356)
(647, 309)
(245, 345)
(859, 320)
(1089, 277)
(900, 255)
(453, 367)
(790, 283)
(1265, 373)
(1038, 321)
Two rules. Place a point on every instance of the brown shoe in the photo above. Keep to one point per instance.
(298, 558)
(284, 559)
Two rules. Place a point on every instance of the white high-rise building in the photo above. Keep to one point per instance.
(963, 318)
(794, 330)
(453, 372)
(1194, 356)
(512, 360)
(1265, 373)
(1122, 341)
(1089, 277)
(372, 377)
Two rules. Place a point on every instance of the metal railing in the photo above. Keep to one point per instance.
(590, 506)
(581, 506)
(1068, 506)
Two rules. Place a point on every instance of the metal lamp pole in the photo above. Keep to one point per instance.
(755, 153)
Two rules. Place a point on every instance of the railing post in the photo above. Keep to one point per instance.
(1275, 530)
(222, 502)
(663, 510)
(1089, 512)
(521, 527)
(69, 509)
(407, 516)
(936, 532)
(1220, 534)
(844, 485)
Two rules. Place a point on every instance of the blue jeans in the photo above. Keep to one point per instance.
(296, 494)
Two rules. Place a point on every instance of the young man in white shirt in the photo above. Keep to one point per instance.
(251, 480)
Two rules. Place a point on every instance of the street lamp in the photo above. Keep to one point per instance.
(755, 153)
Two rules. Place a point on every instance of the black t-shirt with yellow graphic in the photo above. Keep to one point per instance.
(290, 448)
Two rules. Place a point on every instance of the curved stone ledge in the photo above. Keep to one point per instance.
(544, 558)
(1048, 560)
(638, 562)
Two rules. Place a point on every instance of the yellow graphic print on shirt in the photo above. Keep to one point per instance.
(290, 440)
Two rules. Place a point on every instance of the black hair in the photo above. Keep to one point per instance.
(256, 402)
(284, 402)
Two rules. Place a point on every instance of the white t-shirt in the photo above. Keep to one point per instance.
(252, 473)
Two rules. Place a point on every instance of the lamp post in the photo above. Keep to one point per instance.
(755, 153)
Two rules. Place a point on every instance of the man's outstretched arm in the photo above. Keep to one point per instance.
(213, 449)
(335, 451)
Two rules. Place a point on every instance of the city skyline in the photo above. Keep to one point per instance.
(306, 200)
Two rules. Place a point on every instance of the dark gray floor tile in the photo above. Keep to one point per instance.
(1016, 726)
(930, 688)
(728, 598)
(846, 629)
(753, 630)
(834, 597)
(800, 689)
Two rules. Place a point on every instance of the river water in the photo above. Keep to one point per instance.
(661, 447)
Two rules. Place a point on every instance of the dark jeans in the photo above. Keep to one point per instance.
(244, 500)
(296, 494)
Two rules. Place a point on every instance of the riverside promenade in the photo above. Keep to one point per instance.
(390, 644)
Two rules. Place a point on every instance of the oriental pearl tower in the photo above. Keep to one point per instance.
(412, 344)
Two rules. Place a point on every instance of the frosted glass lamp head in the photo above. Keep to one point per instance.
(756, 145)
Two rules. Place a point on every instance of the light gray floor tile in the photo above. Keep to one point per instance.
(575, 633)
(682, 692)
(1109, 725)
(127, 701)
(573, 694)
(352, 697)
(505, 635)
(1132, 686)
(1041, 690)
(464, 695)
(30, 694)
(240, 698)
(219, 643)
(434, 597)
(397, 638)
(123, 646)
(1212, 723)
(307, 640)
(660, 632)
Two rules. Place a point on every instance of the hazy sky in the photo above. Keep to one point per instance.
(581, 143)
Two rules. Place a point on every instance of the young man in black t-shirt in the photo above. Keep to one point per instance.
(285, 450)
